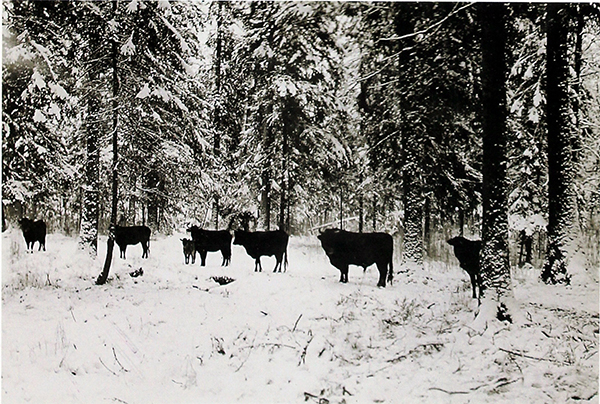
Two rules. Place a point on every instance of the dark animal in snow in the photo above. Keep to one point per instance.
(131, 235)
(32, 232)
(362, 249)
(211, 240)
(189, 250)
(467, 253)
(136, 273)
(261, 243)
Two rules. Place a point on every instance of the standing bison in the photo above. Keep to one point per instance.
(363, 249)
(32, 232)
(467, 253)
(132, 235)
(261, 243)
(211, 240)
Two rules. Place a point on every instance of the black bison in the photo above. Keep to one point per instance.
(261, 243)
(131, 235)
(32, 232)
(189, 250)
(363, 249)
(467, 253)
(211, 240)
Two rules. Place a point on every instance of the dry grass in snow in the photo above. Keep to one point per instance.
(176, 335)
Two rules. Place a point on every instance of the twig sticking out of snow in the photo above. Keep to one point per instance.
(320, 400)
(296, 323)
(115, 355)
(533, 357)
(499, 383)
(107, 368)
(303, 354)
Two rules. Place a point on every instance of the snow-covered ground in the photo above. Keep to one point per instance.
(174, 335)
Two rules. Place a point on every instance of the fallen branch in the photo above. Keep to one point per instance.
(117, 359)
(449, 392)
(436, 345)
(321, 400)
(107, 367)
(303, 354)
(533, 357)
(296, 323)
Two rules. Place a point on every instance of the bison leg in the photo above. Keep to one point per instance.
(194, 258)
(187, 259)
(203, 258)
(278, 261)
(226, 257)
(145, 249)
(344, 274)
(473, 284)
(257, 266)
(382, 267)
(123, 250)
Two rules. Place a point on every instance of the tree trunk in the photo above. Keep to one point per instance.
(360, 204)
(412, 253)
(561, 193)
(217, 110)
(283, 201)
(152, 184)
(374, 213)
(88, 232)
(496, 290)
(132, 215)
(427, 226)
(341, 209)
(114, 190)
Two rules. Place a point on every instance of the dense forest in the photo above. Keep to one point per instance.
(424, 120)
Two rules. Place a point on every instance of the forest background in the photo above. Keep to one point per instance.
(366, 116)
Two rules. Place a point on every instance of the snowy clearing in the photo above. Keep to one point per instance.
(174, 335)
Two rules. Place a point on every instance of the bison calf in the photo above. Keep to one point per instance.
(32, 232)
(132, 235)
(189, 250)
(261, 243)
(363, 249)
(467, 253)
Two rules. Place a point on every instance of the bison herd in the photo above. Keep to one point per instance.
(343, 248)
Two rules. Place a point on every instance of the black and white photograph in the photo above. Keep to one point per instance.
(321, 202)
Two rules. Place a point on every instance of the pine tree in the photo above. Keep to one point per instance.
(561, 192)
(496, 288)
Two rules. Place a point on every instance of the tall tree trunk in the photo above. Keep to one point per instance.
(283, 200)
(561, 193)
(496, 290)
(88, 232)
(341, 208)
(152, 184)
(360, 204)
(268, 140)
(577, 135)
(374, 213)
(427, 226)
(132, 215)
(412, 253)
(217, 112)
(114, 190)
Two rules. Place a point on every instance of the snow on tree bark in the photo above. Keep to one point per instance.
(496, 288)
(110, 244)
(88, 232)
(412, 253)
(561, 173)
